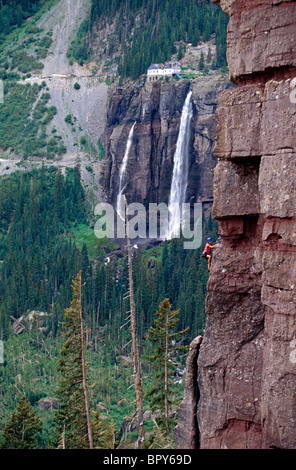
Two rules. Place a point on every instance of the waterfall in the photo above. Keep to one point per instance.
(122, 171)
(180, 171)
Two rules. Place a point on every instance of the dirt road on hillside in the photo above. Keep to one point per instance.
(87, 105)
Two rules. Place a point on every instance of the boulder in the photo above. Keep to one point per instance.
(48, 403)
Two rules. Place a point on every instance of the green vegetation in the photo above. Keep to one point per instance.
(101, 150)
(36, 207)
(78, 49)
(77, 429)
(164, 336)
(23, 44)
(69, 119)
(27, 54)
(24, 62)
(22, 131)
(21, 432)
(83, 234)
(19, 17)
(153, 28)
(47, 236)
(14, 12)
(87, 145)
(201, 64)
(45, 239)
(73, 414)
(30, 370)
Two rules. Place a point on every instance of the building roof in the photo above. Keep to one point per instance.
(154, 66)
(168, 66)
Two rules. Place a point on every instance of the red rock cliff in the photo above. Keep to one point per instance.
(247, 359)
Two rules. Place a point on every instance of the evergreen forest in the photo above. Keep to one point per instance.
(150, 31)
(14, 12)
(41, 211)
(67, 348)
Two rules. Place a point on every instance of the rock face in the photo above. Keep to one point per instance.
(247, 360)
(48, 403)
(156, 109)
(261, 36)
(186, 432)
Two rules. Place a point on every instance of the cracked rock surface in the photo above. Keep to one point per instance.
(246, 363)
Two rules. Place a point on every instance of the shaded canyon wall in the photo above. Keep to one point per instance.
(156, 108)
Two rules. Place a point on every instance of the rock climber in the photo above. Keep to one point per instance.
(207, 253)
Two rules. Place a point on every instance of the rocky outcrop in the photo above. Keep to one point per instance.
(48, 403)
(247, 360)
(261, 36)
(156, 108)
(31, 320)
(186, 433)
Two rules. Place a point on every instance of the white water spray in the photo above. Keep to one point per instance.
(122, 171)
(180, 171)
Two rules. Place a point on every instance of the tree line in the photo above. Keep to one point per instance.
(24, 131)
(38, 209)
(78, 425)
(14, 12)
(39, 260)
(147, 31)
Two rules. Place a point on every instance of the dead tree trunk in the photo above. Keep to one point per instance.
(84, 384)
(135, 346)
(166, 379)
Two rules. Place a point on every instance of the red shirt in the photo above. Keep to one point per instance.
(207, 249)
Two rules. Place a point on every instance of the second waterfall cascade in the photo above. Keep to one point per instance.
(122, 171)
(180, 170)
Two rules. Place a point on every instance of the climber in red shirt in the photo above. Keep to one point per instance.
(207, 251)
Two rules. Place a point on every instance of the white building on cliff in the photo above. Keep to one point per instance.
(155, 71)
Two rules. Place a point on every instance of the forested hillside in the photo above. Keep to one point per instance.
(41, 211)
(25, 132)
(14, 12)
(146, 31)
(47, 225)
(38, 262)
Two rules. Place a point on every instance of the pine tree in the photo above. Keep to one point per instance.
(104, 432)
(135, 346)
(209, 54)
(181, 50)
(164, 336)
(201, 64)
(21, 432)
(73, 415)
(161, 25)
